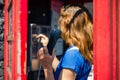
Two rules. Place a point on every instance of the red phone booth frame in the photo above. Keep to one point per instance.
(106, 39)
(106, 18)
(17, 38)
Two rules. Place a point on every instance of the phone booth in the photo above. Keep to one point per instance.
(15, 39)
(106, 39)
(24, 19)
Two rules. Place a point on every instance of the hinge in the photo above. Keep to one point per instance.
(9, 38)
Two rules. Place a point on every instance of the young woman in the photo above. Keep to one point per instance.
(76, 29)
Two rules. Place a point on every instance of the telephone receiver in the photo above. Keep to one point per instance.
(54, 36)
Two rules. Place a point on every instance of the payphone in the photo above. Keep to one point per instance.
(39, 21)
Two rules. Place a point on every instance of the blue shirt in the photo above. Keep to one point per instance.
(73, 59)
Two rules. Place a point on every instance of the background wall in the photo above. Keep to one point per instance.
(1, 39)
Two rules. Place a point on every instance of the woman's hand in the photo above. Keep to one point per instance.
(43, 39)
(45, 59)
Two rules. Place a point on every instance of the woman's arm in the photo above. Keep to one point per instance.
(67, 74)
(46, 62)
(48, 73)
(55, 62)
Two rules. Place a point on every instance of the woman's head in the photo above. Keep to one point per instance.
(77, 29)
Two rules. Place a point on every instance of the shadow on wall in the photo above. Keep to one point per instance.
(1, 39)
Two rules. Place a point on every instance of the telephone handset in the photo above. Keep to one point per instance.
(54, 36)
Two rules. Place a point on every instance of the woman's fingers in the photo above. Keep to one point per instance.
(41, 53)
(44, 58)
(45, 50)
(44, 39)
(42, 36)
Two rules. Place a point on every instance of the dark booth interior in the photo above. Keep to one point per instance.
(39, 21)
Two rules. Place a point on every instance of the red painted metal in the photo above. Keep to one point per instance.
(114, 16)
(118, 41)
(101, 40)
(18, 39)
(24, 25)
(5, 40)
(14, 46)
(106, 39)
(56, 5)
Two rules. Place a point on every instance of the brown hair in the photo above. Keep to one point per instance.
(79, 32)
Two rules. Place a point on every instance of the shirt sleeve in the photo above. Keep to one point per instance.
(73, 60)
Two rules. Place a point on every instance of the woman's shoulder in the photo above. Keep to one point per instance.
(73, 53)
(73, 50)
(72, 59)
